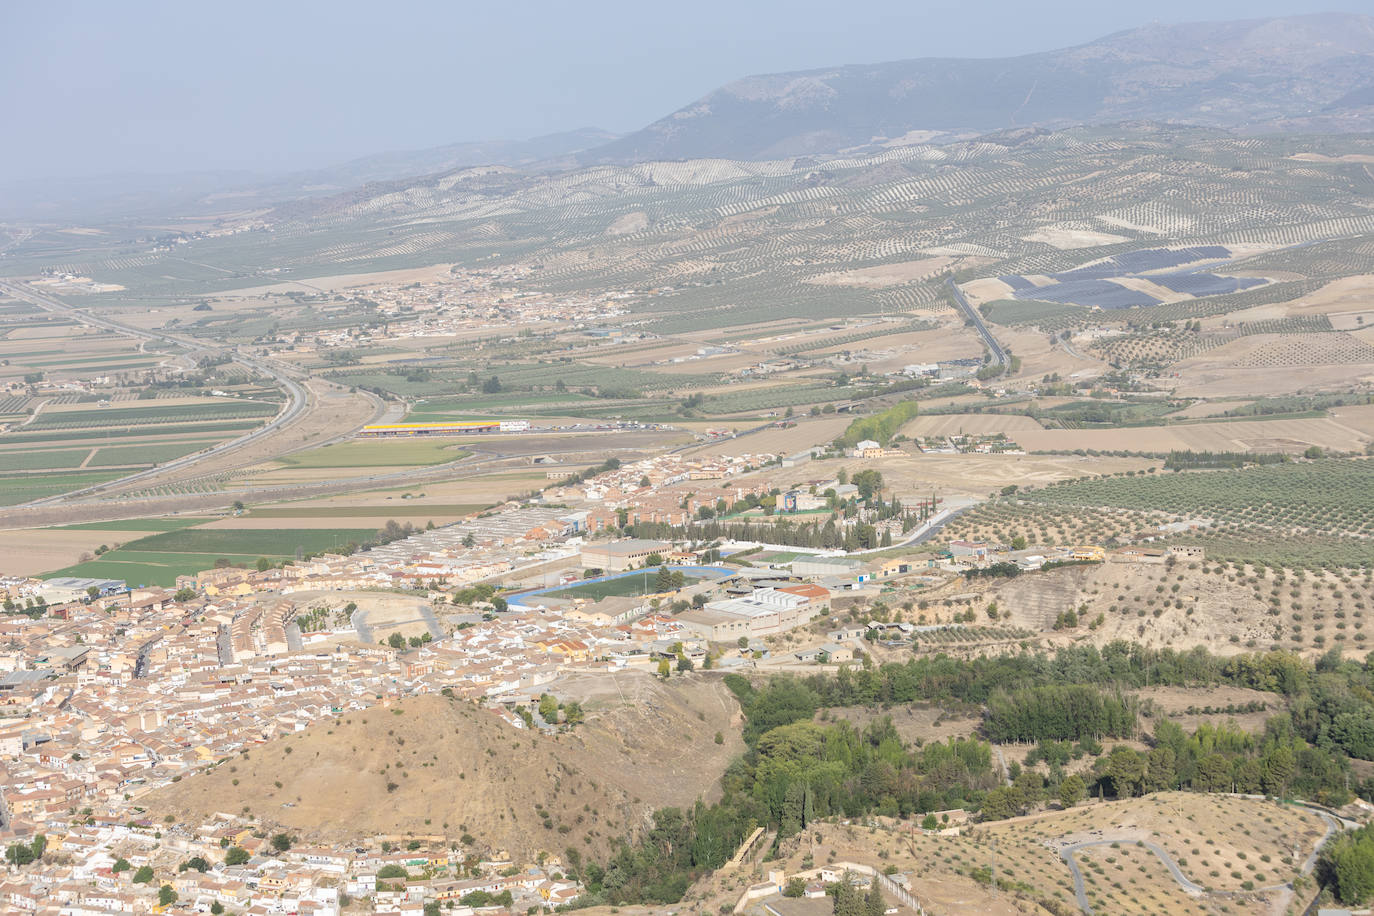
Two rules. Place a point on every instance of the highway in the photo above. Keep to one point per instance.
(298, 398)
(999, 355)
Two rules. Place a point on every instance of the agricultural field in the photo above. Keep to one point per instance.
(968, 424)
(744, 293)
(379, 453)
(1227, 607)
(1328, 497)
(1300, 514)
(135, 415)
(158, 559)
(1238, 851)
(405, 509)
(1293, 436)
(22, 488)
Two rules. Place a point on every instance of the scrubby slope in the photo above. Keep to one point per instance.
(432, 765)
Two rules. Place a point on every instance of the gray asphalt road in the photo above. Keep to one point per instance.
(293, 637)
(224, 646)
(999, 355)
(359, 621)
(432, 622)
(1331, 828)
(1067, 852)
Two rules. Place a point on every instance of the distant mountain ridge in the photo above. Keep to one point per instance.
(407, 163)
(1296, 73)
(124, 194)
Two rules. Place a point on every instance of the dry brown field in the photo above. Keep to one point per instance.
(916, 724)
(1238, 435)
(1064, 239)
(1201, 409)
(978, 475)
(885, 275)
(890, 354)
(971, 423)
(1039, 357)
(30, 551)
(384, 614)
(809, 431)
(1175, 703)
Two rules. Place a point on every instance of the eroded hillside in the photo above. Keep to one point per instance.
(435, 765)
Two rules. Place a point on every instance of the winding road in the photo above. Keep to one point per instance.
(1066, 853)
(1189, 887)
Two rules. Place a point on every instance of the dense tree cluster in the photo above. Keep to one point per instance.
(1190, 460)
(1347, 865)
(1060, 712)
(798, 770)
(849, 901)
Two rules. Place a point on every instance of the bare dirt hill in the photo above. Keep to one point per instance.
(434, 765)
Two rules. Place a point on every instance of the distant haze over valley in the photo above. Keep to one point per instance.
(1311, 73)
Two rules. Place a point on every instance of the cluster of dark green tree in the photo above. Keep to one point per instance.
(1189, 460)
(882, 426)
(610, 464)
(797, 770)
(850, 901)
(1059, 712)
(1224, 758)
(1347, 866)
(794, 772)
(1212, 759)
(828, 534)
(1329, 704)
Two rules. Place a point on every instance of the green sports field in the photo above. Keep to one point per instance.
(624, 586)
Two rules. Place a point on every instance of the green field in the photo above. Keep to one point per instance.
(403, 509)
(159, 558)
(110, 456)
(378, 453)
(118, 434)
(32, 460)
(22, 488)
(142, 416)
(625, 586)
(148, 568)
(138, 524)
(259, 542)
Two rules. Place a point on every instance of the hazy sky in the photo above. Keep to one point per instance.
(101, 87)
